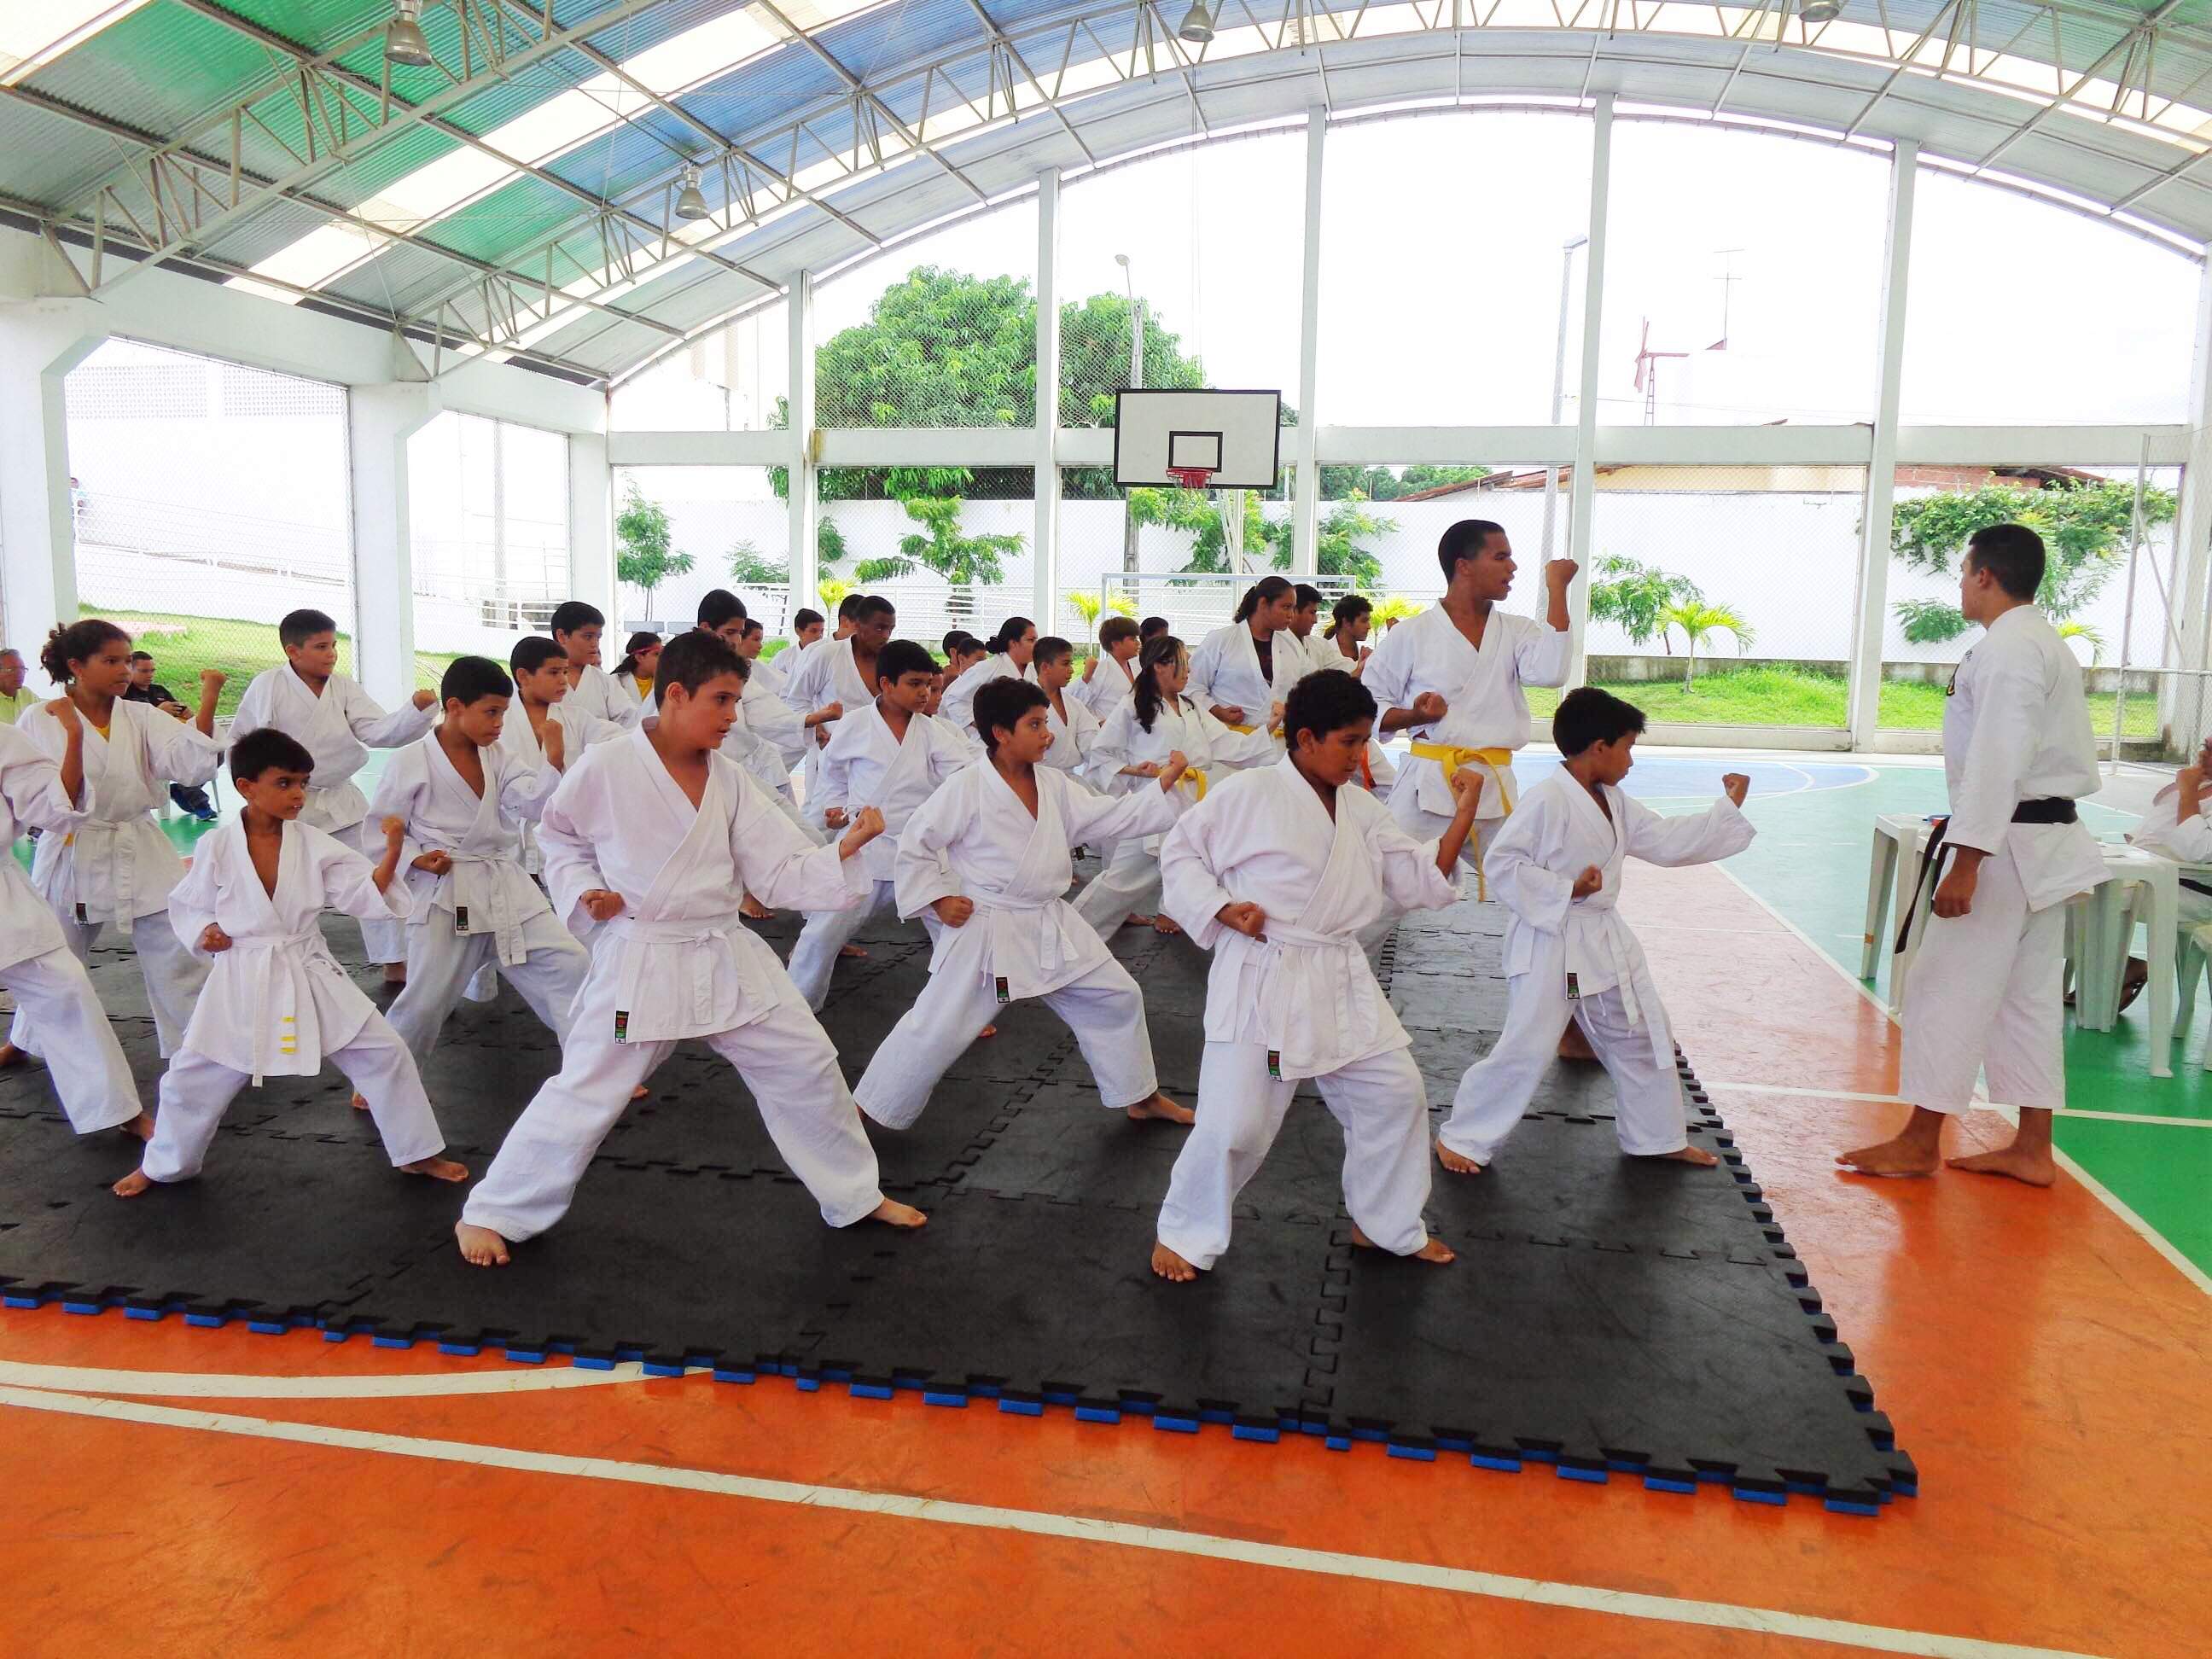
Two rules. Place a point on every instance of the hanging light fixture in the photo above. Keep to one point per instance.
(1820, 11)
(1197, 24)
(689, 203)
(403, 36)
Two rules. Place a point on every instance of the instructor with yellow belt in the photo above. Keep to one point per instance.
(1452, 678)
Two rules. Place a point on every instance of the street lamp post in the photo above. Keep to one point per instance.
(1136, 384)
(1560, 387)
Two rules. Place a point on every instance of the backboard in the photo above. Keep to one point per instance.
(1237, 436)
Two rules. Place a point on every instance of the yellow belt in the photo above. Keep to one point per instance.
(1500, 762)
(1247, 730)
(1195, 780)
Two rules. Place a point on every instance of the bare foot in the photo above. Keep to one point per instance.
(752, 907)
(892, 1213)
(1160, 1107)
(987, 1032)
(1456, 1163)
(438, 1168)
(1164, 923)
(132, 1184)
(11, 1056)
(1133, 919)
(1435, 1250)
(1697, 1155)
(640, 1092)
(1902, 1157)
(140, 1127)
(395, 973)
(360, 1103)
(2034, 1167)
(1574, 1045)
(1170, 1266)
(851, 953)
(481, 1246)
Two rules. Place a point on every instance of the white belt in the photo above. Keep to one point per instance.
(1049, 956)
(1297, 955)
(260, 968)
(706, 931)
(474, 891)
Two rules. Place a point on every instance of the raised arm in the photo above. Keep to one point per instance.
(1721, 831)
(370, 725)
(783, 869)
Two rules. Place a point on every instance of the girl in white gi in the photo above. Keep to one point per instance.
(329, 715)
(633, 673)
(37, 967)
(988, 855)
(1108, 677)
(890, 755)
(840, 675)
(1007, 656)
(576, 627)
(277, 1004)
(1232, 672)
(115, 865)
(1984, 990)
(1311, 654)
(1557, 868)
(1452, 679)
(1074, 728)
(1276, 872)
(1156, 720)
(463, 801)
(648, 841)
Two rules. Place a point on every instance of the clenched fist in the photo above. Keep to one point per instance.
(1466, 787)
(425, 699)
(1589, 882)
(600, 903)
(1735, 785)
(213, 679)
(953, 910)
(213, 939)
(1428, 709)
(1247, 918)
(867, 824)
(1559, 572)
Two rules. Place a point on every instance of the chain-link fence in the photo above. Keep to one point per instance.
(737, 379)
(488, 513)
(681, 530)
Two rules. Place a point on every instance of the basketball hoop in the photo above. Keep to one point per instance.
(1192, 478)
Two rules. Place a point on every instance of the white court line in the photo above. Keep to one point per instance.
(1464, 1581)
(240, 1386)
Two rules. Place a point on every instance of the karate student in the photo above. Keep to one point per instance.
(1984, 990)
(37, 966)
(1150, 630)
(337, 723)
(542, 683)
(890, 755)
(1109, 677)
(2175, 828)
(963, 651)
(1007, 656)
(766, 729)
(1157, 719)
(1232, 672)
(648, 841)
(1074, 727)
(1351, 620)
(277, 1004)
(838, 676)
(1299, 652)
(806, 628)
(1452, 679)
(463, 799)
(115, 865)
(770, 673)
(576, 627)
(633, 673)
(1276, 872)
(987, 855)
(1556, 866)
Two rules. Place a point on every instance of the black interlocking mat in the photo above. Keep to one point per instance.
(1608, 1317)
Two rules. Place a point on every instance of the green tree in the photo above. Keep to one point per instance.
(748, 566)
(943, 546)
(1380, 483)
(644, 542)
(1338, 551)
(1634, 595)
(1698, 621)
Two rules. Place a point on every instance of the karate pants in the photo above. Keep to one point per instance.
(82, 1057)
(1104, 1009)
(814, 959)
(441, 964)
(196, 1091)
(1128, 885)
(173, 973)
(384, 938)
(1986, 994)
(1380, 1101)
(787, 1061)
(1430, 826)
(1498, 1088)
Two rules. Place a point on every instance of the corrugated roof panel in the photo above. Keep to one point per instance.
(161, 68)
(400, 277)
(279, 225)
(318, 25)
(914, 32)
(49, 159)
(764, 95)
(663, 22)
(518, 215)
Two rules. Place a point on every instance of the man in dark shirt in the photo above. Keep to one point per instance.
(144, 688)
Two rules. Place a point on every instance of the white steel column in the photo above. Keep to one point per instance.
(1305, 543)
(2188, 712)
(1580, 498)
(379, 420)
(40, 343)
(805, 561)
(1045, 548)
(591, 527)
(1871, 625)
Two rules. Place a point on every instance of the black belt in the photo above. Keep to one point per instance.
(2045, 808)
(2048, 809)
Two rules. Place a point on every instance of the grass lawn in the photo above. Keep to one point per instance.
(182, 646)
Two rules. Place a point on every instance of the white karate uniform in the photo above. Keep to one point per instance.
(1485, 708)
(773, 672)
(1300, 1002)
(2186, 842)
(37, 967)
(1130, 883)
(1225, 670)
(866, 766)
(1567, 955)
(826, 673)
(1297, 657)
(959, 704)
(116, 865)
(758, 758)
(519, 737)
(595, 693)
(677, 962)
(276, 1003)
(1109, 687)
(974, 838)
(485, 911)
(628, 686)
(1072, 738)
(1986, 988)
(338, 728)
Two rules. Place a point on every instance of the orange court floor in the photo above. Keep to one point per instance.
(197, 1491)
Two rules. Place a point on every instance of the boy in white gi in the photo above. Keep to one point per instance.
(1233, 671)
(1452, 678)
(1276, 871)
(889, 755)
(648, 841)
(338, 723)
(1556, 866)
(1006, 655)
(114, 864)
(1074, 728)
(464, 799)
(542, 682)
(576, 627)
(37, 967)
(277, 1004)
(988, 854)
(1985, 986)
(837, 675)
(1109, 677)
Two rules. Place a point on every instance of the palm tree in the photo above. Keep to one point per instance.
(1634, 595)
(1697, 620)
(2081, 630)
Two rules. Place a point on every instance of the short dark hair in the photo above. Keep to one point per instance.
(691, 659)
(1587, 715)
(2012, 554)
(958, 639)
(1152, 628)
(266, 749)
(1114, 629)
(471, 679)
(142, 656)
(719, 608)
(849, 605)
(904, 657)
(1051, 649)
(532, 651)
(572, 614)
(752, 627)
(1003, 701)
(1307, 594)
(1464, 540)
(803, 620)
(873, 604)
(1325, 701)
(298, 627)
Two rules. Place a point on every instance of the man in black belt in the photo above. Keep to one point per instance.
(1985, 988)
(143, 688)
